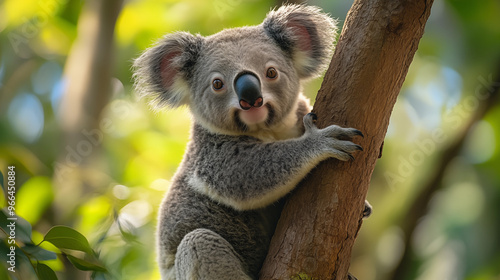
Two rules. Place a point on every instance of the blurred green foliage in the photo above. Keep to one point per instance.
(458, 56)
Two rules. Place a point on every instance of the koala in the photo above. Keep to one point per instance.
(252, 138)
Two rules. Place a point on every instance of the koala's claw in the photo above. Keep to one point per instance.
(334, 138)
(351, 277)
(309, 121)
(359, 133)
(351, 133)
(367, 211)
(314, 116)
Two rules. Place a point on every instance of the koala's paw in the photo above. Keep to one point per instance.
(330, 138)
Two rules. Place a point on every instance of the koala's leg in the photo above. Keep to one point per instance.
(205, 255)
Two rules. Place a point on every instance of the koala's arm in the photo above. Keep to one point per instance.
(245, 173)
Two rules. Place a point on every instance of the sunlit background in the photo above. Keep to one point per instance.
(89, 155)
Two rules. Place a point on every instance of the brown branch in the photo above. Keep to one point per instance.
(487, 96)
(319, 224)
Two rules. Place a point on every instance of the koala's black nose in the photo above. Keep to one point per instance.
(247, 87)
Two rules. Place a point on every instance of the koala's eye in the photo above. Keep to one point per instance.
(217, 84)
(271, 73)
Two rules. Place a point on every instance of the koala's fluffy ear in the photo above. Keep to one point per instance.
(162, 72)
(305, 33)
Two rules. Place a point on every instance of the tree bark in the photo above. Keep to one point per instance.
(321, 219)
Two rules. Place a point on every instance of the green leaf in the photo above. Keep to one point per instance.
(22, 261)
(45, 272)
(127, 234)
(67, 238)
(85, 264)
(1, 180)
(23, 230)
(21, 226)
(3, 273)
(39, 253)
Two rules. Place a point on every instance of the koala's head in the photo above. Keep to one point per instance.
(243, 79)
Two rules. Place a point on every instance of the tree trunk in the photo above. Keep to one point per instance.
(88, 73)
(321, 219)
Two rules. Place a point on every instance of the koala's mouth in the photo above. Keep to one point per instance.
(255, 116)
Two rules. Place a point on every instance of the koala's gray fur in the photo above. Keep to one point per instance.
(220, 212)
